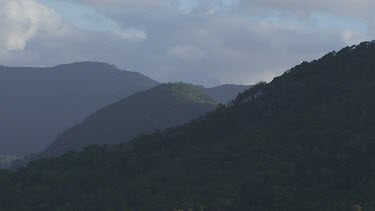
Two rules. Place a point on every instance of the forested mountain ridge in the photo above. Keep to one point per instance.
(304, 141)
(163, 106)
(38, 103)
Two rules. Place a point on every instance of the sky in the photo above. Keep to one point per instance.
(207, 42)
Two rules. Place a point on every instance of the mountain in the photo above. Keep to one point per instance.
(158, 108)
(304, 141)
(225, 93)
(38, 103)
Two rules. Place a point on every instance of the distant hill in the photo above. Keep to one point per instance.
(225, 93)
(160, 107)
(38, 103)
(304, 141)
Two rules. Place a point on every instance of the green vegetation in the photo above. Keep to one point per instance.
(305, 141)
(161, 107)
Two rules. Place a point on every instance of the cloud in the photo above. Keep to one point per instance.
(21, 20)
(201, 41)
(185, 52)
(226, 48)
(131, 34)
(342, 7)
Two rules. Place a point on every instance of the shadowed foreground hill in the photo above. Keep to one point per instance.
(38, 103)
(161, 107)
(305, 141)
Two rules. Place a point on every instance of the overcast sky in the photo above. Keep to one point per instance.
(200, 41)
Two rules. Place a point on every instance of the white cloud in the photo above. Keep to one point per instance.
(21, 20)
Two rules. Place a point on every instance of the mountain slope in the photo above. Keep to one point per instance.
(38, 103)
(160, 107)
(305, 141)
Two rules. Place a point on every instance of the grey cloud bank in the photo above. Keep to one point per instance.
(205, 42)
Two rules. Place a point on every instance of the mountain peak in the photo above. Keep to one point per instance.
(57, 98)
(161, 107)
(360, 48)
(188, 91)
(85, 65)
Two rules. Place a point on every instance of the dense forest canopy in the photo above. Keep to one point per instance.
(305, 141)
